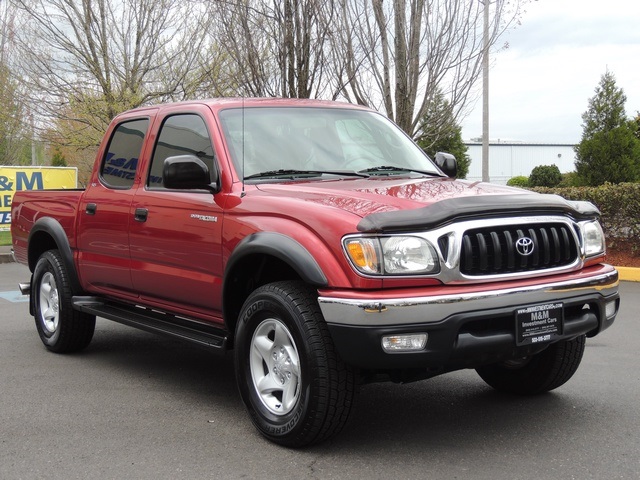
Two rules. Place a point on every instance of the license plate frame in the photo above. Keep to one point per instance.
(539, 323)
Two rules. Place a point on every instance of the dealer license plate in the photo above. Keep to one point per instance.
(538, 323)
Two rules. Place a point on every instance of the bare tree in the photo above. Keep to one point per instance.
(15, 135)
(280, 48)
(15, 138)
(87, 60)
(395, 55)
(83, 61)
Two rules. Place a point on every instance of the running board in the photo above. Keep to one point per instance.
(154, 321)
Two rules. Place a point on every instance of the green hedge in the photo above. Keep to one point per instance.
(519, 181)
(618, 203)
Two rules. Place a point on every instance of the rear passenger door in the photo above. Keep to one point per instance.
(104, 212)
(175, 236)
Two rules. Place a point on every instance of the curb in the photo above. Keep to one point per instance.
(629, 274)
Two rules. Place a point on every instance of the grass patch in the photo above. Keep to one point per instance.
(5, 237)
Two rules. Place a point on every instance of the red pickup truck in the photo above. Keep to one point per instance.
(317, 241)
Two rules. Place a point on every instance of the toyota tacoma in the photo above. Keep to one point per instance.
(322, 246)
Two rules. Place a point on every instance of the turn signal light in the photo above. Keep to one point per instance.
(364, 254)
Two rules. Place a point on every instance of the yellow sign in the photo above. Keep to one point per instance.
(14, 179)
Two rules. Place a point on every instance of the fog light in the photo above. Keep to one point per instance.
(611, 308)
(404, 343)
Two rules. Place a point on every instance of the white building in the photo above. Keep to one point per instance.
(508, 160)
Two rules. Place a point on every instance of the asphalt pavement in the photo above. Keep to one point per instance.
(138, 406)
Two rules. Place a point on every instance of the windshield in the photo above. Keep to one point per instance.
(271, 139)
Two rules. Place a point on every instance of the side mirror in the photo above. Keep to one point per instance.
(187, 172)
(447, 163)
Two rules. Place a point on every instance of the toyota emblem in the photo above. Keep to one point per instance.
(524, 246)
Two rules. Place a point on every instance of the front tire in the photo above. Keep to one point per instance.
(291, 380)
(61, 328)
(539, 373)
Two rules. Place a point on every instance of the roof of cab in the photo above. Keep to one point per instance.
(217, 104)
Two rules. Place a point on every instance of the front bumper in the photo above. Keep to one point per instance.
(466, 326)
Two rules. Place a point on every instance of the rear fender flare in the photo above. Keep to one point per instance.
(52, 229)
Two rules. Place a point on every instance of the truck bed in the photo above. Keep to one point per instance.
(29, 206)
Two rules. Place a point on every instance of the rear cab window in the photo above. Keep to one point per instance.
(120, 163)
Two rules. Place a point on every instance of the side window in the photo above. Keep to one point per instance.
(184, 134)
(121, 160)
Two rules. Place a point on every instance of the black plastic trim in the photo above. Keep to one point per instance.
(461, 208)
(53, 228)
(154, 321)
(284, 248)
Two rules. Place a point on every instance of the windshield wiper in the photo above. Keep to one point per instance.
(390, 170)
(290, 173)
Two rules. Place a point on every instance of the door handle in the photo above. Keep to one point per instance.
(91, 209)
(141, 214)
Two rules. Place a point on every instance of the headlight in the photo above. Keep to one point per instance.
(394, 255)
(592, 238)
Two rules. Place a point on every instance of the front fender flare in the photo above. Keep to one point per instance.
(284, 248)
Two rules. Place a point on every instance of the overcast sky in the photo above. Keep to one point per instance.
(541, 84)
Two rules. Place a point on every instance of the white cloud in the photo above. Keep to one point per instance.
(541, 85)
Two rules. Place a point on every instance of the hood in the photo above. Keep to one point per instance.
(364, 196)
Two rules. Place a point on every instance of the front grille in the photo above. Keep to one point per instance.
(494, 250)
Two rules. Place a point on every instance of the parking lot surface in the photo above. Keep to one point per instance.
(134, 405)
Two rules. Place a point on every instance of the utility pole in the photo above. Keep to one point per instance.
(485, 95)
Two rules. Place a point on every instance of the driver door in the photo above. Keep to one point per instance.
(176, 235)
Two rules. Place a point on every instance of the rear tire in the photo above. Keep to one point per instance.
(539, 373)
(61, 328)
(291, 380)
